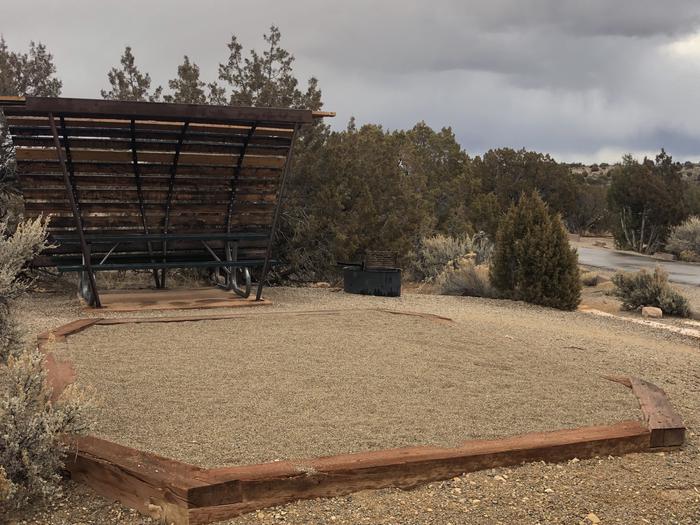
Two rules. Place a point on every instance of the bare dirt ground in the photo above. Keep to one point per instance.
(639, 488)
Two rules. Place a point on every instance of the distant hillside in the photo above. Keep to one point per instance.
(600, 173)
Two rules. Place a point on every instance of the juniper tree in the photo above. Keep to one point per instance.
(128, 83)
(646, 200)
(532, 259)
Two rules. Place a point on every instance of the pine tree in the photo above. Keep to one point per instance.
(532, 260)
(128, 83)
(21, 74)
(28, 73)
(266, 79)
(187, 87)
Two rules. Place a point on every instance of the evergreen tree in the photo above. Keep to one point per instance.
(266, 79)
(21, 74)
(532, 259)
(128, 83)
(507, 173)
(646, 199)
(187, 87)
(28, 73)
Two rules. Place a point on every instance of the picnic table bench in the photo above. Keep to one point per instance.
(154, 186)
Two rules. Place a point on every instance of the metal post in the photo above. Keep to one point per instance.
(275, 217)
(76, 212)
(169, 198)
(139, 192)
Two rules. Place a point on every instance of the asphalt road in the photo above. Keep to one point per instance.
(678, 272)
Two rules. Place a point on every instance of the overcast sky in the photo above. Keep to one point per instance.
(582, 79)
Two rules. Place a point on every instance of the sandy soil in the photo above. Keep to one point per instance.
(269, 387)
(639, 488)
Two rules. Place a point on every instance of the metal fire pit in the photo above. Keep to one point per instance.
(377, 275)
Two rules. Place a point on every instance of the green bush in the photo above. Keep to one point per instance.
(465, 277)
(685, 239)
(645, 289)
(532, 259)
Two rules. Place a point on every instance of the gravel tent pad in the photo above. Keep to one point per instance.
(260, 388)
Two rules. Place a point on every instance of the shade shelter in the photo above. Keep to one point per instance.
(154, 186)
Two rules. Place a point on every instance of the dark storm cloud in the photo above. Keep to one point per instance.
(586, 79)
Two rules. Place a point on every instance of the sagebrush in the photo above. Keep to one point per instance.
(16, 250)
(684, 240)
(30, 425)
(464, 276)
(649, 289)
(31, 451)
(436, 252)
(590, 278)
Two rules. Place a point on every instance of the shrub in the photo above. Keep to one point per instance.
(31, 451)
(436, 252)
(645, 289)
(589, 279)
(465, 277)
(532, 259)
(16, 250)
(684, 240)
(30, 425)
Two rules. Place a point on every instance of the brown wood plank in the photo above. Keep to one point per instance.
(41, 124)
(30, 168)
(665, 425)
(236, 490)
(61, 208)
(151, 484)
(109, 156)
(97, 108)
(124, 144)
(60, 333)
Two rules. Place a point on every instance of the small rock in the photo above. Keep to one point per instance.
(499, 478)
(593, 518)
(549, 491)
(652, 311)
(322, 284)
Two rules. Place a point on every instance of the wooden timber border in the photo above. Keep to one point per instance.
(184, 494)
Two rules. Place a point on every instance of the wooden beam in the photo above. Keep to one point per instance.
(665, 425)
(185, 494)
(82, 107)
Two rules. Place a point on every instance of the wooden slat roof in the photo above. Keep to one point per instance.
(112, 109)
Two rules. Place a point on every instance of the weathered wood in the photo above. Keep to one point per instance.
(186, 494)
(153, 485)
(167, 158)
(76, 107)
(60, 333)
(665, 425)
(241, 489)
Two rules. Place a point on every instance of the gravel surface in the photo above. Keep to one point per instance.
(270, 387)
(638, 488)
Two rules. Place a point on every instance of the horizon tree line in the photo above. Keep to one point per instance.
(368, 188)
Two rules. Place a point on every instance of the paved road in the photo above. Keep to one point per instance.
(678, 272)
